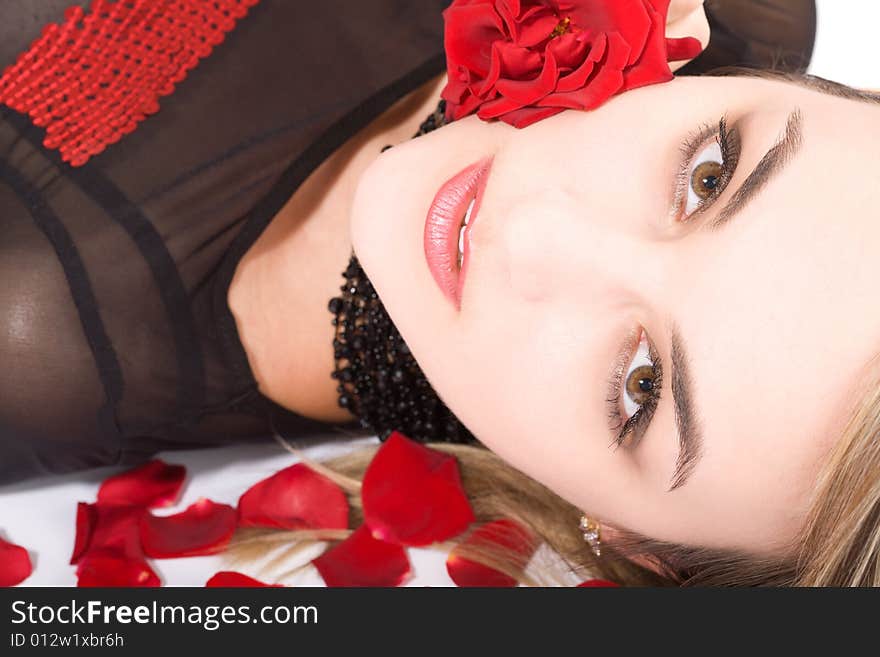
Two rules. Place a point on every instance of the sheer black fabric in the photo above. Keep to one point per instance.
(116, 340)
(115, 337)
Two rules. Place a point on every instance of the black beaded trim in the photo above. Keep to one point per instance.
(380, 381)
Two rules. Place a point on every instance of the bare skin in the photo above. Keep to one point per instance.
(280, 305)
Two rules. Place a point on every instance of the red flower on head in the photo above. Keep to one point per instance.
(521, 61)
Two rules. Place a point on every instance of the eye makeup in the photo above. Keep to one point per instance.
(728, 141)
(637, 424)
(696, 143)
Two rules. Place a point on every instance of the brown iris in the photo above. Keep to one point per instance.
(706, 179)
(640, 383)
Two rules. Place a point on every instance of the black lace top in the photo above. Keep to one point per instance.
(116, 340)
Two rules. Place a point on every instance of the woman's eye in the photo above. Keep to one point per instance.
(640, 380)
(705, 177)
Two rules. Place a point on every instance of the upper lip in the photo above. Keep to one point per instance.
(443, 222)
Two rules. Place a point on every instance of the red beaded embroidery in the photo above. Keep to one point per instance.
(94, 78)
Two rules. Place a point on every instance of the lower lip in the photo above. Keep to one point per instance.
(443, 225)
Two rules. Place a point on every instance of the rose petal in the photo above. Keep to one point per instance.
(203, 528)
(578, 78)
(467, 32)
(232, 579)
(606, 82)
(516, 542)
(525, 92)
(652, 65)
(15, 564)
(597, 583)
(108, 530)
(362, 560)
(681, 49)
(109, 570)
(294, 498)
(630, 19)
(526, 116)
(498, 108)
(152, 484)
(536, 28)
(514, 63)
(412, 494)
(86, 518)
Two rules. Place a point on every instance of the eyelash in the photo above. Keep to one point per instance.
(695, 143)
(637, 424)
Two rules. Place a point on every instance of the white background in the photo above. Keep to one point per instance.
(846, 42)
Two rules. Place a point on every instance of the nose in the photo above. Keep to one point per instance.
(558, 245)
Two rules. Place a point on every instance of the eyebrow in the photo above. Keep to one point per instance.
(690, 435)
(774, 161)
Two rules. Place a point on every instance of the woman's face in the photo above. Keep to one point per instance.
(587, 260)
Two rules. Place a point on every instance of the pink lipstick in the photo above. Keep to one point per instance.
(455, 205)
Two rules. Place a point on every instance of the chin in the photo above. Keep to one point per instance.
(377, 242)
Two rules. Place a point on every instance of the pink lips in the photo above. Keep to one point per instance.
(443, 223)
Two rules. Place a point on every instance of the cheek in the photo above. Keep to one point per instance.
(531, 397)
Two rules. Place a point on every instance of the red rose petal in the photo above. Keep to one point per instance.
(526, 116)
(597, 583)
(519, 546)
(653, 63)
(203, 528)
(524, 92)
(578, 78)
(412, 494)
(108, 530)
(294, 498)
(533, 63)
(152, 484)
(231, 579)
(15, 564)
(110, 570)
(681, 49)
(467, 27)
(362, 560)
(86, 519)
(629, 19)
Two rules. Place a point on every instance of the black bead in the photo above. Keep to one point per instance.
(381, 382)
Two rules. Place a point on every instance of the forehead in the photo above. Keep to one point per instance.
(783, 315)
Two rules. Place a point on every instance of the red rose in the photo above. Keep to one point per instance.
(521, 61)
